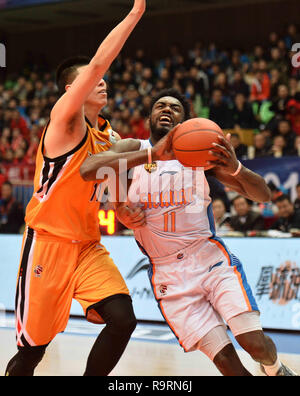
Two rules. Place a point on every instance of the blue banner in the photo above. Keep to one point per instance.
(272, 267)
(25, 3)
(283, 172)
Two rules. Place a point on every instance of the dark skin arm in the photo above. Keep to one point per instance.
(247, 183)
(129, 150)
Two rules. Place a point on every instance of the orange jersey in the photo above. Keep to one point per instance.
(63, 204)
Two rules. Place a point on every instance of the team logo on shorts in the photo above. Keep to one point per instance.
(38, 271)
(163, 290)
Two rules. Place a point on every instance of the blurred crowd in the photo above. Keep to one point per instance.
(257, 90)
(240, 216)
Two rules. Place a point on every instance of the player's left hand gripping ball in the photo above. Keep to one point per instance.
(225, 155)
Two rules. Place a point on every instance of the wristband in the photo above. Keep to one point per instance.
(149, 155)
(150, 166)
(238, 170)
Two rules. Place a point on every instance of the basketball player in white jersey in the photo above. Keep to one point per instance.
(197, 282)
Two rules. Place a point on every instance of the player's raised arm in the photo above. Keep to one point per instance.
(72, 101)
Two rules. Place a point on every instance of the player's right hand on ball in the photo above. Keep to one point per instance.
(132, 218)
(162, 151)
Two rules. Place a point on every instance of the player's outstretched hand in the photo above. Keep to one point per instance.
(163, 150)
(132, 218)
(225, 155)
(139, 6)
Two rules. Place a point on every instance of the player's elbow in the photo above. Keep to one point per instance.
(265, 194)
(86, 172)
(268, 195)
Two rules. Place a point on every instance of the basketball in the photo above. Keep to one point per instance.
(193, 140)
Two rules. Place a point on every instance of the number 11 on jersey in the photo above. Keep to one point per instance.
(170, 222)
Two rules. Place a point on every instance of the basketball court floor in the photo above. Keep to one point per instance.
(152, 351)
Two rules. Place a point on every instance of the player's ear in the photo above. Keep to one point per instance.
(67, 87)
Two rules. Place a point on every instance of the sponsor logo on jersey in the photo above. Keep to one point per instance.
(101, 143)
(38, 271)
(172, 173)
(215, 265)
(163, 289)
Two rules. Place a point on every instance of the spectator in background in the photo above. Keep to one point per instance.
(288, 218)
(294, 89)
(277, 61)
(260, 148)
(242, 113)
(292, 36)
(219, 111)
(284, 129)
(18, 122)
(11, 211)
(3, 179)
(275, 80)
(293, 114)
(238, 85)
(280, 102)
(297, 200)
(260, 89)
(138, 127)
(222, 218)
(241, 149)
(279, 148)
(296, 149)
(245, 219)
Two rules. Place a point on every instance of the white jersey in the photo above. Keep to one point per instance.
(177, 206)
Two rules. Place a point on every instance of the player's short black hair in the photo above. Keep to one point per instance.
(282, 198)
(174, 94)
(66, 71)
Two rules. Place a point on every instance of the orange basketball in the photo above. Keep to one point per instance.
(193, 140)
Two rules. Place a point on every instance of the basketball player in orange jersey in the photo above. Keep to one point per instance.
(197, 282)
(61, 257)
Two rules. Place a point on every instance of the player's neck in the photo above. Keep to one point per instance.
(153, 140)
(92, 113)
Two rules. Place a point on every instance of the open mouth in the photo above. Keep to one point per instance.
(165, 120)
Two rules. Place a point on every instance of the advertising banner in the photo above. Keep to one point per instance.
(272, 267)
(24, 3)
(283, 172)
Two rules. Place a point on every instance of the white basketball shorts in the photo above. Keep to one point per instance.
(199, 288)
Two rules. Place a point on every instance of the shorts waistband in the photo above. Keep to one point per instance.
(180, 254)
(41, 236)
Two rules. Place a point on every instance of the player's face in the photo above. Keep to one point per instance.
(167, 112)
(99, 95)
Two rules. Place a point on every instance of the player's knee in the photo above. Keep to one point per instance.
(25, 361)
(124, 323)
(119, 315)
(255, 344)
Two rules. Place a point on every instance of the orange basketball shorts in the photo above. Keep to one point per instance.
(54, 271)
